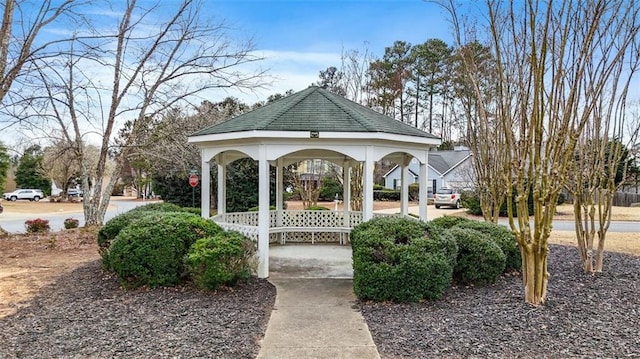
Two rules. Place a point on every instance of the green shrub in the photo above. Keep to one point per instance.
(400, 260)
(386, 195)
(446, 222)
(193, 210)
(501, 236)
(110, 230)
(256, 208)
(378, 187)
(330, 188)
(223, 259)
(158, 206)
(414, 192)
(480, 260)
(562, 198)
(70, 223)
(471, 201)
(37, 225)
(317, 208)
(400, 230)
(151, 252)
(440, 241)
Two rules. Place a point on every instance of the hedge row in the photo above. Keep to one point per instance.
(400, 260)
(152, 247)
(397, 259)
(500, 235)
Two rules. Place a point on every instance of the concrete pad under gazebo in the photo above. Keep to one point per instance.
(311, 124)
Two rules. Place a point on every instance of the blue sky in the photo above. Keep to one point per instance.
(302, 37)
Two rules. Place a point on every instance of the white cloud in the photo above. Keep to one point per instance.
(289, 70)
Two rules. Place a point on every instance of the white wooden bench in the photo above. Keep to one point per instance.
(344, 232)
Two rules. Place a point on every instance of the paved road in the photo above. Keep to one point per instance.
(15, 223)
(617, 227)
(624, 227)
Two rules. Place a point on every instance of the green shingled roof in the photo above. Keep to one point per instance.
(314, 109)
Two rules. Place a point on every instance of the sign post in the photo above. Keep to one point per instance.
(193, 182)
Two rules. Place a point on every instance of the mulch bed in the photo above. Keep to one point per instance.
(86, 314)
(585, 316)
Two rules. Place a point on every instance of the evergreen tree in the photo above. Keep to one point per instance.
(4, 165)
(30, 172)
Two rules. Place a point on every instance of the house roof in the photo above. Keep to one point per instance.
(314, 109)
(442, 161)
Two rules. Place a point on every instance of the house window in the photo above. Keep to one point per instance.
(397, 183)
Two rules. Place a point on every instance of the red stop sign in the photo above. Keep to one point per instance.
(193, 179)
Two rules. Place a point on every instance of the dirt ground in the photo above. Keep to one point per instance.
(29, 262)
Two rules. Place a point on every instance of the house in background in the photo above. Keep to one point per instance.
(449, 169)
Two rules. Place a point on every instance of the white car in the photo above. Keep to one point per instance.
(447, 197)
(74, 192)
(30, 194)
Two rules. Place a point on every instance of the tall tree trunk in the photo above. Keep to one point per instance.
(417, 101)
(431, 111)
(357, 173)
(534, 273)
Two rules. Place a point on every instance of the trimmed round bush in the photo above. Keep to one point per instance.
(480, 260)
(159, 206)
(400, 260)
(151, 251)
(110, 230)
(501, 236)
(418, 276)
(440, 241)
(446, 222)
(401, 229)
(223, 259)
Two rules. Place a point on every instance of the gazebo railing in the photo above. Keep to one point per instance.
(296, 221)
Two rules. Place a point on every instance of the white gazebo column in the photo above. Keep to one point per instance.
(423, 190)
(279, 199)
(346, 192)
(404, 193)
(367, 194)
(205, 182)
(263, 213)
(222, 185)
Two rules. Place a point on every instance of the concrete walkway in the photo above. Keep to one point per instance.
(314, 314)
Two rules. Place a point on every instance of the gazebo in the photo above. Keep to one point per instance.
(311, 124)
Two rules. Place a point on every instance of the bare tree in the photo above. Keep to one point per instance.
(157, 58)
(20, 30)
(19, 50)
(62, 164)
(355, 65)
(485, 135)
(555, 63)
(600, 168)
